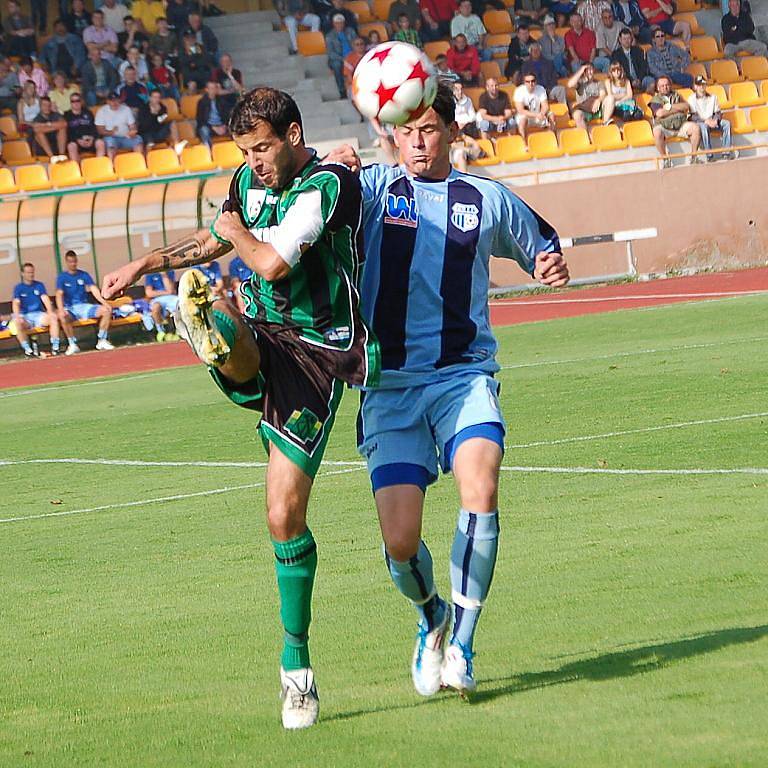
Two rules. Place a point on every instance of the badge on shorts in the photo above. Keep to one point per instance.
(303, 425)
(254, 201)
(465, 217)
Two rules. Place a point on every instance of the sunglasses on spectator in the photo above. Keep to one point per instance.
(661, 34)
(530, 80)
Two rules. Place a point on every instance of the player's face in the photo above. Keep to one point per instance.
(272, 159)
(425, 144)
(28, 274)
(71, 262)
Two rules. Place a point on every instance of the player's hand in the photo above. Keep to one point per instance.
(551, 269)
(116, 282)
(229, 225)
(345, 155)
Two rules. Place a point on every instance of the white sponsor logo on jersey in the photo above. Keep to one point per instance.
(254, 200)
(465, 217)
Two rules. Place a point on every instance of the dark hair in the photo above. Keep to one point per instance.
(444, 104)
(276, 108)
(128, 17)
(45, 98)
(27, 264)
(160, 18)
(95, 11)
(522, 25)
(59, 21)
(25, 60)
(70, 254)
(625, 31)
(403, 16)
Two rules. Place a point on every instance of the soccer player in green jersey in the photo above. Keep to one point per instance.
(297, 225)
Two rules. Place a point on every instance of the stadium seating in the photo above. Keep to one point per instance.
(163, 162)
(758, 117)
(497, 22)
(490, 153)
(499, 40)
(492, 69)
(227, 155)
(172, 107)
(66, 174)
(512, 149)
(32, 178)
(764, 89)
(98, 170)
(643, 99)
(687, 6)
(722, 98)
(433, 50)
(131, 166)
(725, 71)
(17, 153)
(544, 144)
(739, 121)
(188, 105)
(705, 49)
(361, 9)
(562, 116)
(7, 184)
(693, 22)
(607, 137)
(754, 67)
(638, 134)
(475, 93)
(381, 9)
(366, 29)
(575, 141)
(8, 128)
(310, 44)
(745, 95)
(697, 70)
(187, 132)
(195, 159)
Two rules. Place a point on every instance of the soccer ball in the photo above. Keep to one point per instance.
(394, 82)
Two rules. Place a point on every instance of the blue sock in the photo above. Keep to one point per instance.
(473, 557)
(414, 579)
(102, 334)
(55, 343)
(26, 346)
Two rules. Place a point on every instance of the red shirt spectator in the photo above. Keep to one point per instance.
(652, 5)
(467, 60)
(583, 43)
(352, 59)
(439, 10)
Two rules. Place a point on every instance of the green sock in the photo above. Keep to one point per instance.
(226, 325)
(295, 565)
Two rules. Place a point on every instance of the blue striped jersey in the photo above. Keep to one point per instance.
(426, 277)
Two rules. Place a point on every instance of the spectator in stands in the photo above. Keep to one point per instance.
(49, 130)
(338, 43)
(146, 13)
(163, 78)
(62, 92)
(78, 19)
(405, 33)
(39, 10)
(230, 80)
(154, 125)
(706, 113)
(136, 60)
(470, 25)
(238, 274)
(299, 13)
(177, 14)
(73, 286)
(444, 73)
(436, 18)
(532, 106)
(117, 125)
(544, 72)
(32, 308)
(591, 11)
(101, 36)
(553, 47)
(27, 71)
(339, 7)
(562, 10)
(64, 51)
(628, 14)
(373, 39)
(531, 11)
(204, 35)
(131, 91)
(160, 291)
(82, 135)
(671, 117)
(18, 31)
(114, 14)
(466, 117)
(351, 60)
(632, 60)
(212, 272)
(212, 113)
(739, 32)
(590, 94)
(99, 78)
(164, 41)
(410, 8)
(130, 37)
(463, 149)
(658, 13)
(619, 98)
(667, 60)
(10, 88)
(606, 39)
(518, 53)
(495, 112)
(28, 107)
(464, 60)
(580, 43)
(195, 64)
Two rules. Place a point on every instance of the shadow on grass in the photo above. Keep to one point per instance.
(607, 666)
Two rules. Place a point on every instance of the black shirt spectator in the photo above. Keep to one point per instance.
(177, 14)
(203, 35)
(195, 64)
(153, 127)
(350, 20)
(79, 19)
(80, 126)
(130, 36)
(19, 34)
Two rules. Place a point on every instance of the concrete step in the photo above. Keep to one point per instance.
(230, 20)
(338, 133)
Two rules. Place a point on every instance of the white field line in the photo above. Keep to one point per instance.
(642, 430)
(604, 299)
(139, 463)
(113, 380)
(606, 471)
(653, 351)
(157, 499)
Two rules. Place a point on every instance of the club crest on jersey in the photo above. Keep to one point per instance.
(465, 217)
(254, 201)
(401, 210)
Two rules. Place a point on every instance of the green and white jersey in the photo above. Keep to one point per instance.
(323, 244)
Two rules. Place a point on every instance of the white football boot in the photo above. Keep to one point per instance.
(301, 704)
(195, 321)
(104, 344)
(428, 657)
(457, 670)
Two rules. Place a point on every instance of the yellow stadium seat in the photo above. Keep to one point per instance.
(500, 40)
(696, 28)
(575, 141)
(433, 50)
(310, 44)
(8, 128)
(697, 70)
(607, 137)
(758, 117)
(725, 71)
(497, 22)
(739, 121)
(66, 174)
(754, 68)
(188, 104)
(474, 94)
(764, 89)
(98, 170)
(32, 178)
(163, 162)
(638, 134)
(131, 165)
(381, 9)
(705, 49)
(535, 34)
(490, 154)
(173, 109)
(643, 99)
(684, 93)
(492, 69)
(227, 155)
(745, 95)
(198, 158)
(511, 149)
(544, 144)
(722, 98)
(17, 153)
(366, 29)
(361, 9)
(7, 184)
(687, 6)
(187, 132)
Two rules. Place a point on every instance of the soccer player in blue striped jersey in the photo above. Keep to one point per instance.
(429, 232)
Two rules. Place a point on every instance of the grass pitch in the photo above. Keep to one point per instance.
(626, 627)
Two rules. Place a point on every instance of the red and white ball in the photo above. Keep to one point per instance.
(394, 82)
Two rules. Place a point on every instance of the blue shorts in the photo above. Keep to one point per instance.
(123, 142)
(36, 319)
(404, 433)
(168, 302)
(83, 311)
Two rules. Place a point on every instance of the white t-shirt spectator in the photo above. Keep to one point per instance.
(531, 101)
(465, 111)
(470, 26)
(121, 120)
(113, 17)
(703, 108)
(607, 37)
